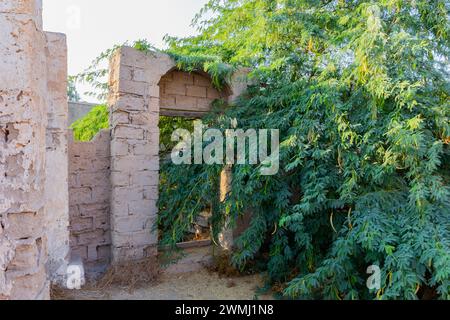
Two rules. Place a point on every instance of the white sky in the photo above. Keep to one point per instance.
(93, 26)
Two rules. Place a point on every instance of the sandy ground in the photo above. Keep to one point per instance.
(188, 286)
(188, 280)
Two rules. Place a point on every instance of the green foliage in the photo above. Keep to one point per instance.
(360, 93)
(220, 72)
(72, 92)
(86, 128)
(167, 125)
(96, 74)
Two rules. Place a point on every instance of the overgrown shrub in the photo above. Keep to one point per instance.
(360, 93)
(87, 127)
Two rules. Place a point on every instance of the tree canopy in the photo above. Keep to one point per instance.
(360, 93)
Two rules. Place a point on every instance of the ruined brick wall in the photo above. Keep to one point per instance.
(187, 92)
(143, 87)
(89, 198)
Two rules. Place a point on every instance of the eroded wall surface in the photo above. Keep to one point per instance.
(56, 167)
(23, 119)
(110, 184)
(89, 194)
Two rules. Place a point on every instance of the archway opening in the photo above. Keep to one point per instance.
(184, 98)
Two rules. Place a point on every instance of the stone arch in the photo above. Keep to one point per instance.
(188, 94)
(144, 86)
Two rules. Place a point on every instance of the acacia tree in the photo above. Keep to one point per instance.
(360, 93)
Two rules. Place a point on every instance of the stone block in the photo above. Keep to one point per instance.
(104, 252)
(204, 104)
(128, 132)
(73, 181)
(30, 287)
(80, 196)
(127, 194)
(133, 58)
(92, 253)
(133, 87)
(134, 239)
(94, 209)
(200, 80)
(213, 94)
(102, 222)
(186, 103)
(145, 178)
(196, 91)
(101, 194)
(153, 105)
(119, 147)
(183, 77)
(120, 179)
(144, 119)
(120, 117)
(92, 179)
(88, 238)
(150, 149)
(26, 257)
(24, 225)
(74, 211)
(175, 88)
(142, 208)
(139, 75)
(79, 225)
(151, 192)
(81, 163)
(128, 253)
(167, 101)
(129, 224)
(80, 251)
(128, 102)
(135, 163)
(100, 164)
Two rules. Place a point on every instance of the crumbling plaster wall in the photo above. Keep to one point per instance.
(23, 118)
(113, 180)
(33, 153)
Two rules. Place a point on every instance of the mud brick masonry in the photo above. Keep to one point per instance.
(96, 201)
(89, 202)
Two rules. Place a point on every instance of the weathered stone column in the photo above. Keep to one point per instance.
(239, 83)
(226, 240)
(23, 119)
(56, 186)
(134, 103)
